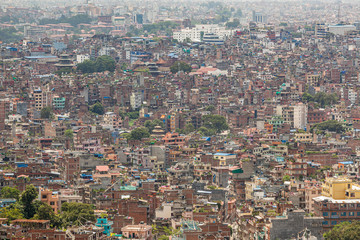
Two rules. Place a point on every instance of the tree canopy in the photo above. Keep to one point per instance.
(321, 98)
(139, 133)
(74, 20)
(27, 200)
(10, 192)
(97, 108)
(215, 122)
(9, 35)
(46, 112)
(77, 213)
(344, 231)
(102, 63)
(152, 124)
(180, 66)
(331, 125)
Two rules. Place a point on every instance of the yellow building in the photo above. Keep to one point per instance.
(340, 188)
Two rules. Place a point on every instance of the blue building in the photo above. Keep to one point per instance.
(106, 224)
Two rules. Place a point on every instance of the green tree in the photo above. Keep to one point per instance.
(45, 212)
(76, 213)
(46, 112)
(10, 192)
(152, 124)
(9, 35)
(69, 134)
(97, 108)
(210, 108)
(215, 122)
(87, 66)
(330, 125)
(133, 115)
(11, 212)
(206, 132)
(105, 63)
(27, 200)
(180, 66)
(139, 133)
(306, 97)
(286, 178)
(102, 63)
(344, 231)
(189, 128)
(234, 24)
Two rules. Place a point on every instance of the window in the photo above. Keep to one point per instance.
(333, 213)
(351, 214)
(325, 223)
(343, 214)
(333, 222)
(325, 214)
(358, 214)
(52, 203)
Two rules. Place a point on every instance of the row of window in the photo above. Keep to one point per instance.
(332, 222)
(343, 214)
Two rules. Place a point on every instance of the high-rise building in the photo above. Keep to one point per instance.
(259, 17)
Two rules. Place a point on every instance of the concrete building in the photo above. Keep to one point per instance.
(340, 201)
(135, 100)
(294, 222)
(341, 29)
(195, 34)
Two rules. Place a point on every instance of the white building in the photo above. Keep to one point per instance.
(341, 29)
(81, 58)
(194, 34)
(300, 116)
(135, 100)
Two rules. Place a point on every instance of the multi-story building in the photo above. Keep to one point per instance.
(196, 33)
(340, 201)
(4, 111)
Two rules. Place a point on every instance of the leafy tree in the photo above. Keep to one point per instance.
(102, 63)
(321, 98)
(331, 125)
(344, 231)
(9, 35)
(180, 66)
(306, 97)
(325, 99)
(139, 133)
(286, 178)
(69, 133)
(234, 24)
(45, 212)
(189, 128)
(210, 108)
(97, 108)
(46, 112)
(105, 63)
(133, 115)
(74, 20)
(152, 124)
(77, 213)
(27, 200)
(87, 66)
(11, 212)
(215, 122)
(10, 192)
(206, 132)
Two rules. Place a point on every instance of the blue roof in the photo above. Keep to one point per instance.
(347, 162)
(36, 57)
(223, 154)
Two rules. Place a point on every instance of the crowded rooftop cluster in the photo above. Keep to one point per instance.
(182, 120)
